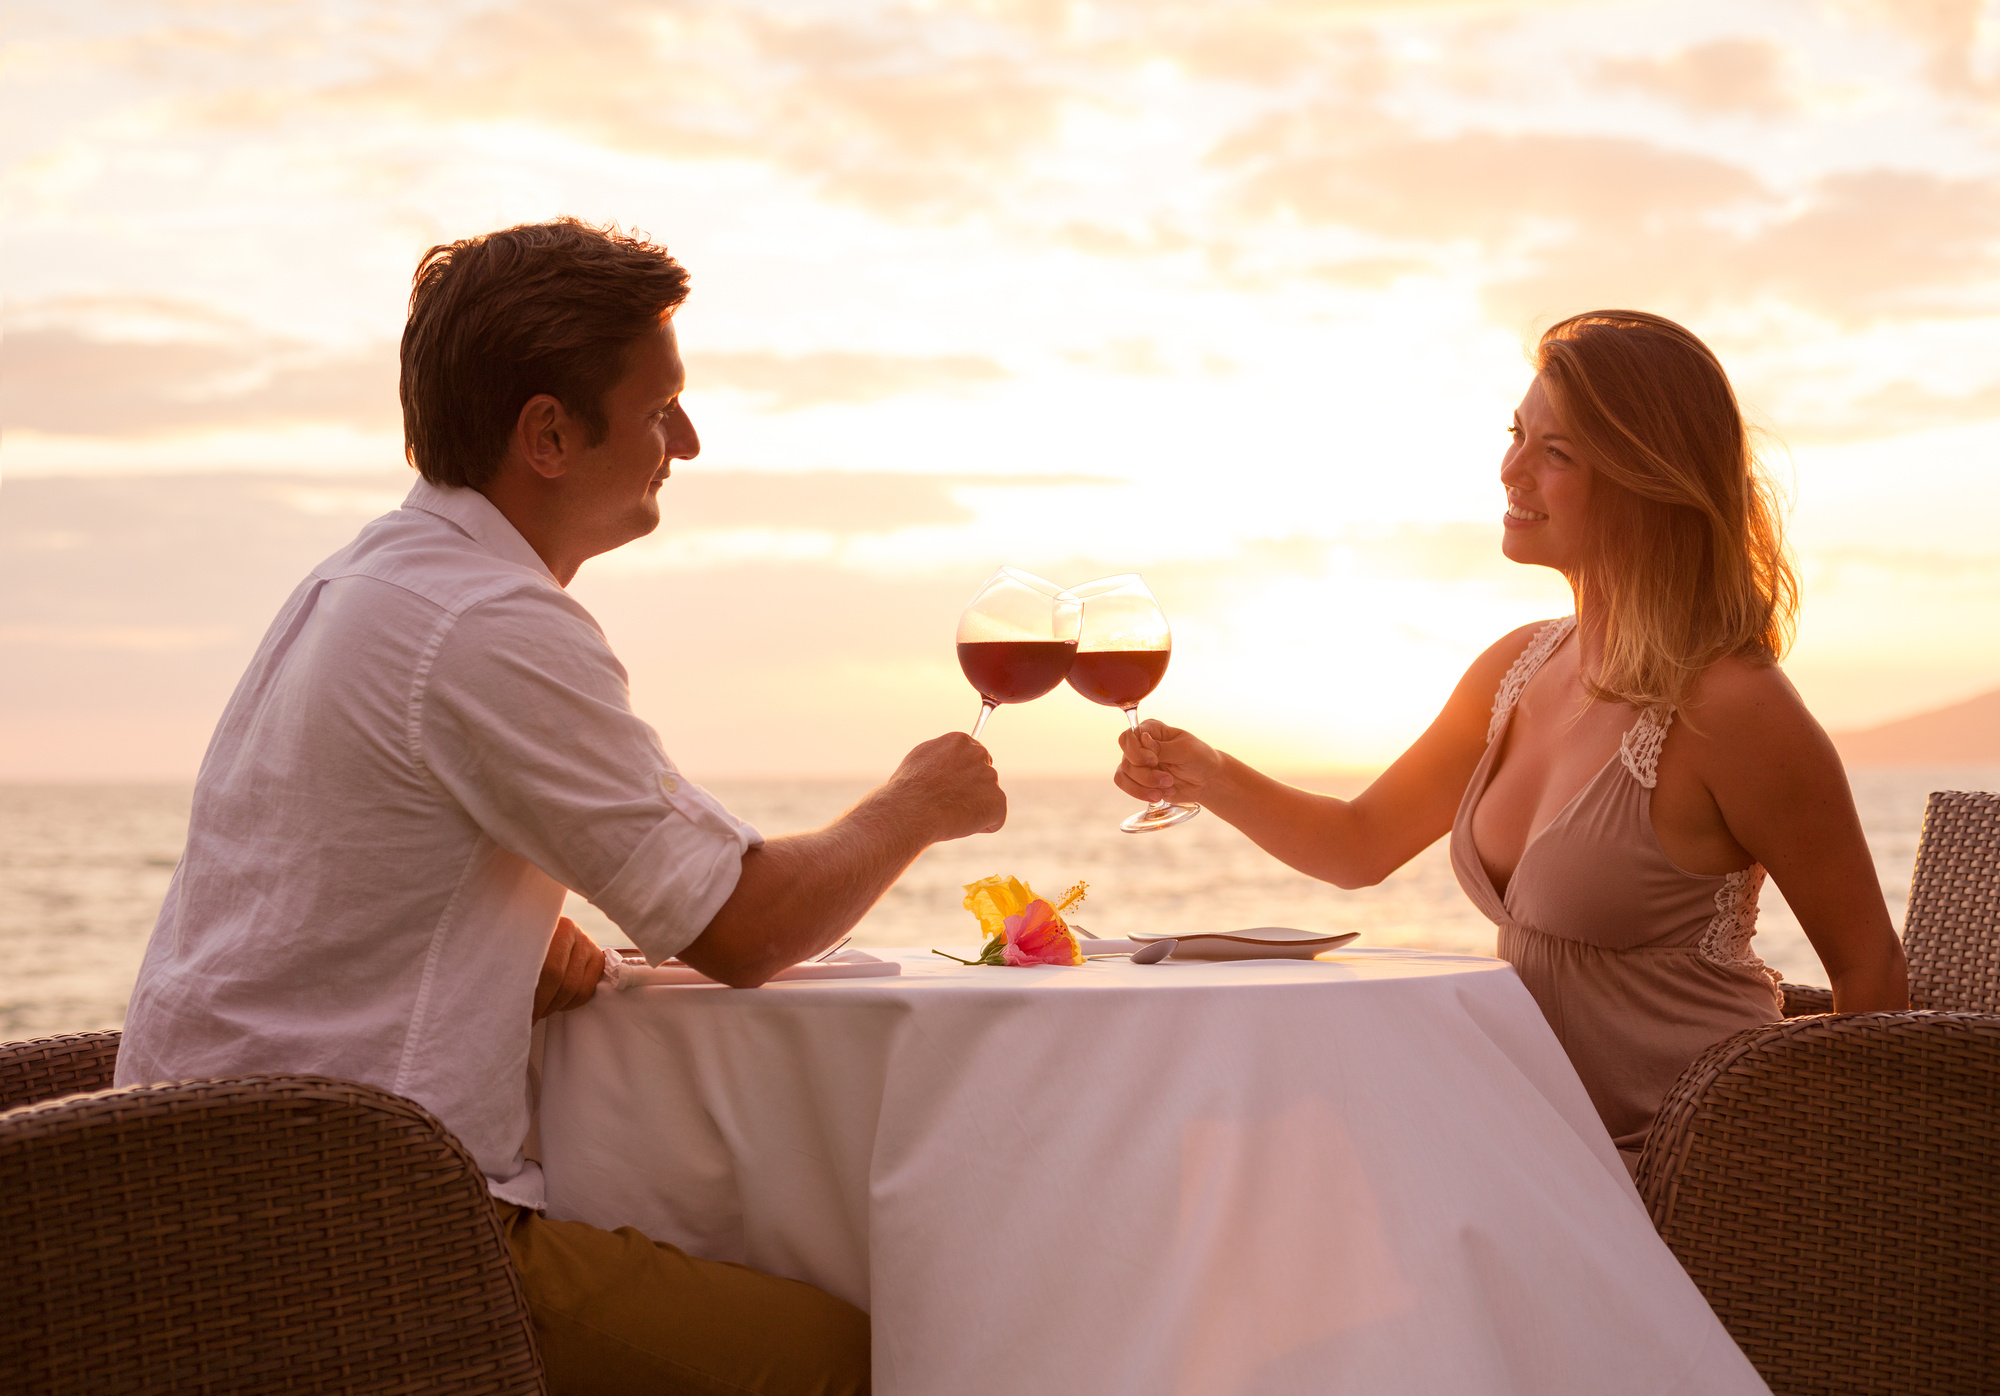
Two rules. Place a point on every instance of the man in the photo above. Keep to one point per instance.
(434, 742)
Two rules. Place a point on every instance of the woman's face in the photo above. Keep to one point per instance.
(1548, 488)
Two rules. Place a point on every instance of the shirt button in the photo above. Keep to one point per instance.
(668, 783)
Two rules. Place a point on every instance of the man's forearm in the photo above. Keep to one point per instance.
(798, 894)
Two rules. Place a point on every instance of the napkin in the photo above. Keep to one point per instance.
(627, 969)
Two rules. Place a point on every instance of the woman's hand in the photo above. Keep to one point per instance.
(570, 971)
(1162, 762)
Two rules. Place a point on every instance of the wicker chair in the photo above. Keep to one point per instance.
(1828, 1181)
(44, 1067)
(1951, 932)
(264, 1234)
(1804, 999)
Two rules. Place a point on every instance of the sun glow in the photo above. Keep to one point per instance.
(1236, 297)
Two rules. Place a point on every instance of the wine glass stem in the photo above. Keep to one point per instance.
(1132, 718)
(986, 707)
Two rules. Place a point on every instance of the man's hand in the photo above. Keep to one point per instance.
(796, 895)
(948, 788)
(570, 971)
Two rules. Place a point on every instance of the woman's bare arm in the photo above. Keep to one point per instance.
(1783, 793)
(1350, 843)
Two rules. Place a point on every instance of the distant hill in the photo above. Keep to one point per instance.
(1964, 733)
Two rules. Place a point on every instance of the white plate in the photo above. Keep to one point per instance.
(1256, 943)
(849, 964)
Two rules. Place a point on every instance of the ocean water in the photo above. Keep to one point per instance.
(83, 869)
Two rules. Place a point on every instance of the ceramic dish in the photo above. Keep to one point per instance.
(1255, 943)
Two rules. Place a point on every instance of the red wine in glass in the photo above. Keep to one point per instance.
(1121, 656)
(1118, 678)
(1015, 671)
(1016, 639)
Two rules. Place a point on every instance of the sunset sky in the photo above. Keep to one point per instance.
(1235, 295)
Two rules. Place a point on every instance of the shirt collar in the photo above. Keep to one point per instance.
(476, 515)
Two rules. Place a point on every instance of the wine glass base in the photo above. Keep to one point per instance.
(1162, 817)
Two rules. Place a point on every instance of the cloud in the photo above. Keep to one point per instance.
(701, 501)
(64, 375)
(1722, 77)
(935, 108)
(901, 108)
(1131, 357)
(141, 638)
(125, 369)
(1953, 35)
(1478, 185)
(1860, 248)
(1566, 222)
(1880, 242)
(1321, 119)
(1981, 570)
(788, 381)
(1893, 410)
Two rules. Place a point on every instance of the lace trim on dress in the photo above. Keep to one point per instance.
(1539, 649)
(1640, 751)
(1726, 942)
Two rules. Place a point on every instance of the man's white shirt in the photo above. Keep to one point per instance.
(432, 743)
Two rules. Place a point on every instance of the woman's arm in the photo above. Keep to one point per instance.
(1783, 793)
(1350, 843)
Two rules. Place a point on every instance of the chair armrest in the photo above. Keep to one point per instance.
(257, 1233)
(43, 1067)
(1827, 1182)
(1803, 999)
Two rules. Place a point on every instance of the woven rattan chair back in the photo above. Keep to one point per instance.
(265, 1234)
(1952, 930)
(43, 1067)
(1828, 1182)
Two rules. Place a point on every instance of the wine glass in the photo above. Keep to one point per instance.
(1121, 656)
(1016, 638)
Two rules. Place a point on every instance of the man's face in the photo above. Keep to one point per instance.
(647, 432)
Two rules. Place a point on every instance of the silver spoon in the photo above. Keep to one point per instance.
(1154, 952)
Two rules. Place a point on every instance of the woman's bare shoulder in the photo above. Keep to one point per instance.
(1485, 675)
(1738, 687)
(1740, 708)
(1499, 657)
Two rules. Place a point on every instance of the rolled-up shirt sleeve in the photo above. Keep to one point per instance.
(525, 719)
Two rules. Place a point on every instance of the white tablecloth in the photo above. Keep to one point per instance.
(1375, 1173)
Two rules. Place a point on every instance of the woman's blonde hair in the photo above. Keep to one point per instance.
(1688, 558)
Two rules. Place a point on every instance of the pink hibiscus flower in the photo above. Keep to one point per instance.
(1038, 937)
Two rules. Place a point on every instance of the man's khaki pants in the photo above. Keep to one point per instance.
(615, 1312)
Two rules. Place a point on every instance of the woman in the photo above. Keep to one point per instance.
(1615, 783)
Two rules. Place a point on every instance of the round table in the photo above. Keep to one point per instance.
(1375, 1172)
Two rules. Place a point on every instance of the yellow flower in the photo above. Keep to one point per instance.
(994, 899)
(1021, 928)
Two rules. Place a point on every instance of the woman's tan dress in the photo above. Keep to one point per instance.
(1638, 964)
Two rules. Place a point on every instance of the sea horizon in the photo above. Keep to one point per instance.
(85, 864)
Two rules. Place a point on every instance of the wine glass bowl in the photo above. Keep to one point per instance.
(1121, 656)
(1016, 639)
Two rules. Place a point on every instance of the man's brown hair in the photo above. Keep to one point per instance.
(497, 319)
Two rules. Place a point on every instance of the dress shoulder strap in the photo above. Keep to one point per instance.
(1640, 751)
(1539, 649)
